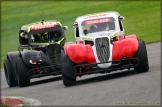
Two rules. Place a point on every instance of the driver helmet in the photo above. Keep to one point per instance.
(100, 26)
(43, 36)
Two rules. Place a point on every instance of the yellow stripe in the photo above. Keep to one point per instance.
(40, 43)
(60, 23)
(86, 38)
(60, 41)
(29, 28)
(31, 48)
(113, 35)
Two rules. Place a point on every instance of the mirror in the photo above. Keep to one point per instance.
(65, 27)
(121, 18)
(75, 25)
(85, 31)
(22, 34)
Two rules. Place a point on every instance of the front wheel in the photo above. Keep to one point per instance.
(9, 73)
(69, 79)
(141, 55)
(23, 77)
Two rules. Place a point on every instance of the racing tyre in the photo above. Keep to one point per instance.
(141, 54)
(9, 73)
(23, 77)
(69, 79)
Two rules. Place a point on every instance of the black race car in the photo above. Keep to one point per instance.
(38, 55)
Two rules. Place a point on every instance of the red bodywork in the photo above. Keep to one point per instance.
(125, 48)
(79, 53)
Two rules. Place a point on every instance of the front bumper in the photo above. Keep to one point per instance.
(53, 71)
(117, 65)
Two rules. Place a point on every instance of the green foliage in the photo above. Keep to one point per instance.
(142, 17)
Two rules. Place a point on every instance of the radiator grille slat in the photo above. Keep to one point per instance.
(54, 52)
(102, 49)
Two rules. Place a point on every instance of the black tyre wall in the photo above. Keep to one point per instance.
(9, 73)
(12, 57)
(22, 73)
(141, 54)
(68, 76)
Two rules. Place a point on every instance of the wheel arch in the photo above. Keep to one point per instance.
(34, 55)
(125, 48)
(12, 57)
(79, 53)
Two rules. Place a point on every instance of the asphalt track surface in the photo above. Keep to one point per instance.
(116, 88)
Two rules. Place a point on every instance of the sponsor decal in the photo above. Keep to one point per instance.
(95, 16)
(97, 21)
(43, 26)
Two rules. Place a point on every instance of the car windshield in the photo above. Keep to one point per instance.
(98, 25)
(45, 37)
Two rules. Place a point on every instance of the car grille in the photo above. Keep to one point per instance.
(102, 49)
(54, 51)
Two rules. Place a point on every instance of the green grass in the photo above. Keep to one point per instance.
(142, 18)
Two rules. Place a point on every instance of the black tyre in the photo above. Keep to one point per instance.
(9, 73)
(69, 79)
(23, 77)
(141, 54)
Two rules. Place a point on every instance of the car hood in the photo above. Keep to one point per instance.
(111, 33)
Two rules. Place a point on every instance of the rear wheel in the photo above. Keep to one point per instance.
(23, 77)
(141, 54)
(9, 73)
(68, 76)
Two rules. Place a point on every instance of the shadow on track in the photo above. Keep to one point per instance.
(107, 76)
(48, 80)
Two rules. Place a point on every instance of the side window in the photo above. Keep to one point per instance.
(75, 25)
(77, 32)
(57, 33)
(53, 36)
(120, 25)
(111, 25)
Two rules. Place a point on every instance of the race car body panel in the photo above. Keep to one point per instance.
(33, 57)
(124, 48)
(79, 53)
(131, 36)
(102, 47)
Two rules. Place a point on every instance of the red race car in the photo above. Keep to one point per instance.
(102, 47)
